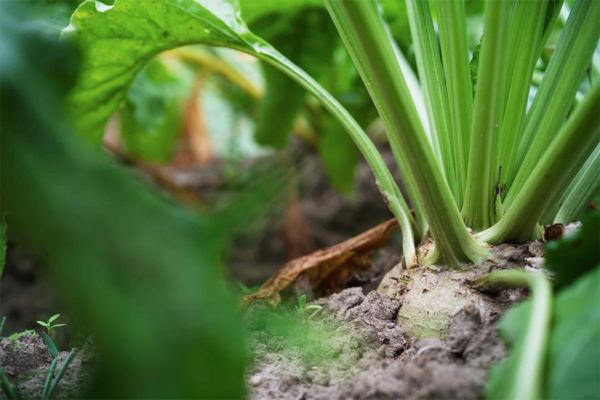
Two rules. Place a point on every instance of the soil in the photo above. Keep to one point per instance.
(360, 346)
(74, 383)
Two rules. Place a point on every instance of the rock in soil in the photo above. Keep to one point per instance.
(74, 384)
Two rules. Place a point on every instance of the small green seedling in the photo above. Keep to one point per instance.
(300, 308)
(49, 325)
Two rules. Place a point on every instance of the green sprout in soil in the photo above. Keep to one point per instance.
(301, 308)
(48, 325)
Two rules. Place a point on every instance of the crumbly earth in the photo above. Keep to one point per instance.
(360, 347)
(74, 383)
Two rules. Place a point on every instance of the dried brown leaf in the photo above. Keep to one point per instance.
(327, 269)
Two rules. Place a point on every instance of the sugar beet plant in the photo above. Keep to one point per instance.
(483, 169)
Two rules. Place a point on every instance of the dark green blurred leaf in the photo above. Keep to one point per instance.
(144, 270)
(574, 351)
(80, 334)
(574, 255)
(50, 344)
(152, 113)
(2, 242)
(475, 66)
(307, 38)
(253, 10)
(340, 155)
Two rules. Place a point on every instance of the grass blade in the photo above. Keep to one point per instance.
(479, 207)
(62, 371)
(452, 24)
(367, 40)
(49, 378)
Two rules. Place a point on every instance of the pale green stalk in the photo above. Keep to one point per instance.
(452, 25)
(519, 223)
(555, 96)
(526, 380)
(525, 35)
(431, 74)
(554, 205)
(480, 211)
(368, 42)
(581, 191)
(385, 182)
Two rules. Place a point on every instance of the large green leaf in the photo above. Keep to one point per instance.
(572, 256)
(574, 352)
(117, 41)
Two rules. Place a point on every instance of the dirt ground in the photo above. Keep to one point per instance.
(359, 345)
(74, 383)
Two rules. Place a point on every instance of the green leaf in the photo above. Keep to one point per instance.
(56, 326)
(61, 193)
(151, 115)
(117, 41)
(302, 301)
(42, 323)
(574, 255)
(313, 307)
(339, 154)
(253, 10)
(3, 242)
(53, 318)
(295, 36)
(573, 361)
(50, 344)
(474, 64)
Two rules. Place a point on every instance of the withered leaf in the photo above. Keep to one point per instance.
(327, 269)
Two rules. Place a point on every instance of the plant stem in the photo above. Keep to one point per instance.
(385, 182)
(452, 24)
(368, 42)
(479, 208)
(525, 32)
(527, 379)
(35, 351)
(557, 91)
(429, 64)
(519, 223)
(582, 190)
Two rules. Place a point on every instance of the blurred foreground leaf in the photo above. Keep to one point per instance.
(574, 255)
(2, 242)
(574, 350)
(143, 270)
